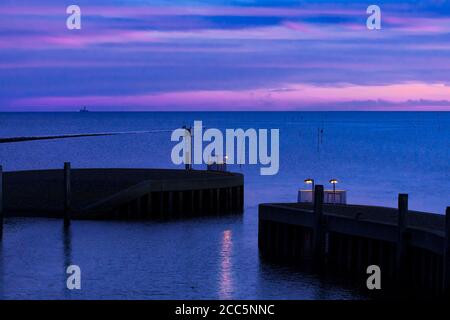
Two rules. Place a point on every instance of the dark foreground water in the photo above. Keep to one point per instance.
(375, 156)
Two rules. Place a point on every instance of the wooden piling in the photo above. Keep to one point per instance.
(67, 193)
(144, 206)
(218, 204)
(180, 203)
(1, 202)
(192, 202)
(161, 204)
(241, 197)
(200, 201)
(318, 242)
(151, 205)
(170, 204)
(401, 239)
(211, 201)
(446, 275)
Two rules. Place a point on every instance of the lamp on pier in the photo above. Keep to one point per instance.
(334, 182)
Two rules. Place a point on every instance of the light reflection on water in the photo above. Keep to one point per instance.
(226, 280)
(214, 257)
(203, 258)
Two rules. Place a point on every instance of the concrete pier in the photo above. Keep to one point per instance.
(411, 248)
(1, 202)
(121, 193)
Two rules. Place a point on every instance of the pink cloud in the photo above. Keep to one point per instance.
(291, 97)
(147, 10)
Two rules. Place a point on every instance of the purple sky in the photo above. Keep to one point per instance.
(224, 55)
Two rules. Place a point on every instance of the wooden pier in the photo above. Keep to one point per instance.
(120, 193)
(411, 248)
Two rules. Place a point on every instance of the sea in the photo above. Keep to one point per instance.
(373, 155)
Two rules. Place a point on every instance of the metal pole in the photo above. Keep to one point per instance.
(401, 240)
(67, 193)
(334, 193)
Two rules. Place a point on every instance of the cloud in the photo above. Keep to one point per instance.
(157, 53)
(291, 97)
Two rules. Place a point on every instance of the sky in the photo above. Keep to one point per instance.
(144, 55)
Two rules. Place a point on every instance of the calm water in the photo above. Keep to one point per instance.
(375, 156)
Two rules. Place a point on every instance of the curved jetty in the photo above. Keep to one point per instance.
(121, 193)
(411, 248)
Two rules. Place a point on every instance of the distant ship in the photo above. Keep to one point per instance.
(84, 109)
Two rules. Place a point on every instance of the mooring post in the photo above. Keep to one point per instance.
(200, 201)
(211, 200)
(242, 197)
(180, 203)
(318, 224)
(447, 253)
(171, 204)
(67, 191)
(401, 239)
(161, 204)
(1, 202)
(193, 204)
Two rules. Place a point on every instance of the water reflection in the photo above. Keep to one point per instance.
(67, 255)
(67, 243)
(226, 279)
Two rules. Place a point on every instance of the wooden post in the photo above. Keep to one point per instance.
(241, 197)
(318, 223)
(180, 203)
(237, 197)
(211, 201)
(161, 213)
(401, 239)
(151, 205)
(447, 253)
(137, 213)
(67, 193)
(218, 204)
(192, 203)
(200, 201)
(1, 202)
(144, 206)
